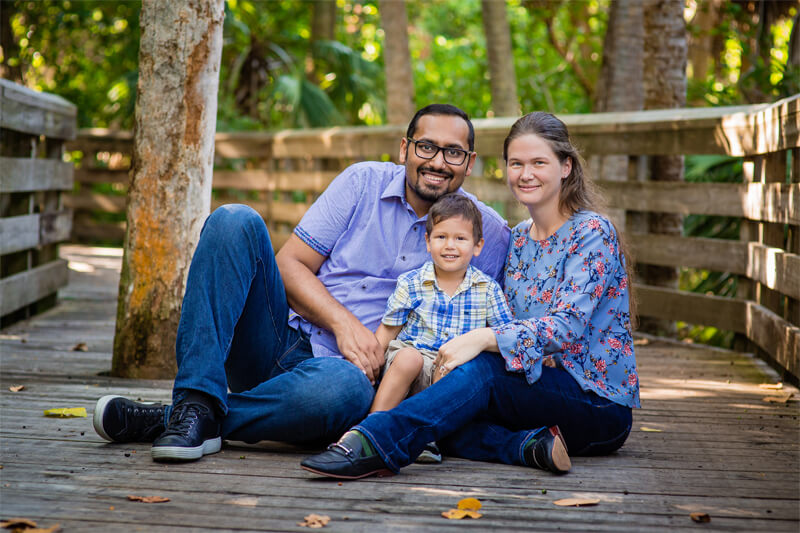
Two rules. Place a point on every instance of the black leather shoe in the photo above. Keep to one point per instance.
(548, 451)
(346, 459)
(119, 419)
(192, 432)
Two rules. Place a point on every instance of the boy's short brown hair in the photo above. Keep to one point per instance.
(455, 205)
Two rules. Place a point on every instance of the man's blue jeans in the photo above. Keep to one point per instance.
(482, 412)
(233, 335)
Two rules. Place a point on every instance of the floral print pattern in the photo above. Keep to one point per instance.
(569, 296)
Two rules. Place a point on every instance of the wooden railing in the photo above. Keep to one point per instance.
(33, 128)
(280, 174)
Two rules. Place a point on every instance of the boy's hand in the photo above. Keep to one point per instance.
(360, 346)
(461, 349)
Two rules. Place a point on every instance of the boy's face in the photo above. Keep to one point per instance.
(452, 245)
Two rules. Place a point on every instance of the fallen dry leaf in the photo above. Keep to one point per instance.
(467, 507)
(771, 386)
(778, 399)
(80, 347)
(700, 517)
(16, 388)
(471, 504)
(19, 525)
(650, 430)
(315, 521)
(66, 412)
(576, 502)
(147, 499)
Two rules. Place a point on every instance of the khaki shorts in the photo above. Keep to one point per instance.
(423, 381)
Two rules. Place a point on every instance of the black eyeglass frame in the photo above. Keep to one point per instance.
(443, 149)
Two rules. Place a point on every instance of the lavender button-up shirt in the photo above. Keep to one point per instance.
(370, 235)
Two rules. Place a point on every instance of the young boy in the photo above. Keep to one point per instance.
(442, 299)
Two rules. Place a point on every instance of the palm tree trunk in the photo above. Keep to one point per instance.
(664, 87)
(502, 78)
(397, 62)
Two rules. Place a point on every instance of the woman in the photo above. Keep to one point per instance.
(562, 376)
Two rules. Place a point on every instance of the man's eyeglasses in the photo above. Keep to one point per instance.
(427, 150)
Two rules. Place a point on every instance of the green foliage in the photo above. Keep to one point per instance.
(85, 51)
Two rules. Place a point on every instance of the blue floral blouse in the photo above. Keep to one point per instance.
(569, 296)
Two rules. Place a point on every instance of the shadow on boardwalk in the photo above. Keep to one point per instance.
(705, 441)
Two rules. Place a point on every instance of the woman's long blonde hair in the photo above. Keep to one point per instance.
(578, 191)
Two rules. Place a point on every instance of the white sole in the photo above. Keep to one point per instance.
(97, 419)
(183, 453)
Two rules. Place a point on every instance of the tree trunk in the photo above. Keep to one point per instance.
(619, 88)
(702, 44)
(170, 190)
(9, 45)
(397, 62)
(502, 78)
(323, 28)
(664, 87)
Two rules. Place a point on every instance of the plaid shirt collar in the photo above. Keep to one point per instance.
(473, 277)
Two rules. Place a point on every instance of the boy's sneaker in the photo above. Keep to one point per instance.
(193, 431)
(547, 450)
(430, 454)
(119, 419)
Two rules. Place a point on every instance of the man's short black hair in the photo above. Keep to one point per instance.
(442, 109)
(455, 205)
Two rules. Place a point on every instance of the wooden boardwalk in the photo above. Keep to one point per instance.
(705, 441)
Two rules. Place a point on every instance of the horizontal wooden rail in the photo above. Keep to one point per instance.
(26, 111)
(25, 175)
(31, 285)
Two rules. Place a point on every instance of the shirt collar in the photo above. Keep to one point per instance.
(396, 187)
(472, 277)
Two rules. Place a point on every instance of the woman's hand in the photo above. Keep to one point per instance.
(461, 349)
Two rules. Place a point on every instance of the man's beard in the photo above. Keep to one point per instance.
(427, 194)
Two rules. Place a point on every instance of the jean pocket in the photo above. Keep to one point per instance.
(297, 352)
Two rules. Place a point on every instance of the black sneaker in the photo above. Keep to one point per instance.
(430, 455)
(119, 419)
(548, 451)
(192, 432)
(347, 459)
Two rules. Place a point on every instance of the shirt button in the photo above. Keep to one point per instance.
(364, 287)
(415, 228)
(402, 258)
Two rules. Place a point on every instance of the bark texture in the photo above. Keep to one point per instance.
(502, 78)
(664, 87)
(397, 62)
(620, 88)
(170, 190)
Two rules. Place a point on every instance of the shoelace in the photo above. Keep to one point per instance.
(151, 416)
(184, 416)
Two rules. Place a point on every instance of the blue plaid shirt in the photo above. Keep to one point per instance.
(431, 317)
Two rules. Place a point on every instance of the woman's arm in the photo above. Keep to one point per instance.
(463, 348)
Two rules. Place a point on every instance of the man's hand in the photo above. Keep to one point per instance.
(461, 349)
(360, 346)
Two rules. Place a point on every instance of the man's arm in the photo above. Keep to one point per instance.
(299, 264)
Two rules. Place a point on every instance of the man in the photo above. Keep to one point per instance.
(303, 373)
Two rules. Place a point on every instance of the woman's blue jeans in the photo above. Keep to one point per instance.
(480, 411)
(234, 343)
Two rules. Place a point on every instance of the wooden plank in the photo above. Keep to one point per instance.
(55, 226)
(36, 113)
(775, 335)
(267, 180)
(27, 287)
(671, 304)
(19, 233)
(87, 200)
(693, 252)
(24, 174)
(288, 212)
(774, 268)
(772, 202)
(100, 175)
